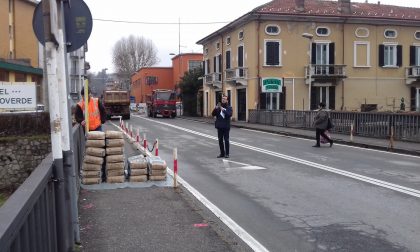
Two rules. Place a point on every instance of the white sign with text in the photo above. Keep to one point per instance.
(17, 95)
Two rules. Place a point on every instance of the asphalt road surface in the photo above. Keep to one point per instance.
(288, 196)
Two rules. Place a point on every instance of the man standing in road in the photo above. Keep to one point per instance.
(223, 113)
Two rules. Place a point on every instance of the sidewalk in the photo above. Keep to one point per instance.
(149, 216)
(402, 147)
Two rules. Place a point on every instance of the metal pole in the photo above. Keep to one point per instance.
(51, 44)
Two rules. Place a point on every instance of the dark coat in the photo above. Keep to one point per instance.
(321, 119)
(222, 123)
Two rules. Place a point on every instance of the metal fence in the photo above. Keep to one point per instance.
(378, 125)
(30, 218)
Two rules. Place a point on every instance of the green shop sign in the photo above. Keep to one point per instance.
(272, 85)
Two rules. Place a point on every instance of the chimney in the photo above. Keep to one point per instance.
(300, 5)
(344, 6)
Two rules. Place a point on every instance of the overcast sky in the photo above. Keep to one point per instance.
(142, 13)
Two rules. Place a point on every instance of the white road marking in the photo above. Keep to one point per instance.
(335, 144)
(381, 183)
(243, 166)
(238, 230)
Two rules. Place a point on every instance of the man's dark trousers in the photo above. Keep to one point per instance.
(223, 134)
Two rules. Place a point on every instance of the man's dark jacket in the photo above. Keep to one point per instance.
(222, 123)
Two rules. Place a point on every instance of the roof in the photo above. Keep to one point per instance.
(20, 68)
(326, 10)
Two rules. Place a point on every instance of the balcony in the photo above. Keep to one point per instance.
(213, 79)
(325, 72)
(412, 74)
(237, 75)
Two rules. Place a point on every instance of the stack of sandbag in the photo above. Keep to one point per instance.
(94, 158)
(114, 165)
(137, 168)
(157, 168)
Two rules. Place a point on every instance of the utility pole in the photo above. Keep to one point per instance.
(53, 62)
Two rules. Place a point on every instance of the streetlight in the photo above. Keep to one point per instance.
(309, 36)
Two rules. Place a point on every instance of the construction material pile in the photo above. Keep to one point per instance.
(114, 165)
(157, 168)
(94, 158)
(137, 168)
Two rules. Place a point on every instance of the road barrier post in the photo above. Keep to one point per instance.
(175, 167)
(351, 131)
(157, 148)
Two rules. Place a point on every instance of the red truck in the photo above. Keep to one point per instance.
(162, 102)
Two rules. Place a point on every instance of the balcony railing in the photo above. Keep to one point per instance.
(325, 71)
(214, 79)
(234, 74)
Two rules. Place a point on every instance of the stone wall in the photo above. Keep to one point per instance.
(19, 156)
(24, 142)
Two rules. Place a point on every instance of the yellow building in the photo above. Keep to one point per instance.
(19, 48)
(293, 54)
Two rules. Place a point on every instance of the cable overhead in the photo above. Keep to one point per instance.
(159, 23)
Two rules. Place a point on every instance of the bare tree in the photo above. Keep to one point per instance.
(132, 53)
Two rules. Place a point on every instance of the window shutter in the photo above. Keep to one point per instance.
(314, 95)
(263, 101)
(399, 55)
(214, 64)
(272, 53)
(313, 53)
(227, 59)
(283, 98)
(412, 55)
(332, 54)
(204, 66)
(240, 56)
(332, 98)
(381, 55)
(220, 63)
(413, 99)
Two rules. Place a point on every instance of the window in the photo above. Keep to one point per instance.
(272, 56)
(20, 77)
(389, 33)
(151, 80)
(218, 67)
(4, 75)
(417, 35)
(229, 95)
(273, 101)
(362, 32)
(228, 40)
(323, 55)
(272, 29)
(241, 35)
(325, 94)
(217, 45)
(322, 31)
(390, 55)
(206, 51)
(193, 64)
(228, 64)
(361, 54)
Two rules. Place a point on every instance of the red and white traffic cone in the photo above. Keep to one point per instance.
(144, 142)
(157, 148)
(175, 167)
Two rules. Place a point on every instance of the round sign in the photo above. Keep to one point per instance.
(77, 18)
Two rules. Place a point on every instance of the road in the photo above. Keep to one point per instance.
(288, 196)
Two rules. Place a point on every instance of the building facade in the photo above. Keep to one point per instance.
(19, 48)
(293, 54)
(147, 79)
